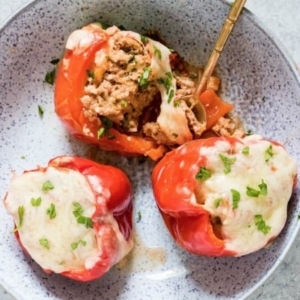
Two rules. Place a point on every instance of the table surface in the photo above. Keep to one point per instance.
(283, 19)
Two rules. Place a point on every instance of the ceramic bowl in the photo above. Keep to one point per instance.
(257, 77)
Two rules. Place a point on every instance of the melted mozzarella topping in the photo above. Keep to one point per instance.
(171, 119)
(60, 243)
(255, 220)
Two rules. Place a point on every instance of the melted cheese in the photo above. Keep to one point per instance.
(239, 229)
(172, 120)
(63, 230)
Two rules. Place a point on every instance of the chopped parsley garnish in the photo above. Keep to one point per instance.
(21, 211)
(175, 134)
(144, 39)
(157, 52)
(176, 103)
(139, 216)
(44, 242)
(246, 150)
(203, 174)
(23, 157)
(236, 197)
(90, 74)
(298, 217)
(51, 211)
(263, 190)
(47, 185)
(75, 245)
(50, 77)
(104, 131)
(171, 95)
(78, 209)
(261, 224)
(36, 201)
(77, 212)
(54, 61)
(269, 153)
(166, 81)
(217, 202)
(228, 162)
(85, 221)
(249, 132)
(144, 79)
(124, 103)
(40, 111)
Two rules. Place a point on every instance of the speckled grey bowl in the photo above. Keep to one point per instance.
(257, 76)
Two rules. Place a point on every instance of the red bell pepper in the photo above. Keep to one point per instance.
(70, 80)
(110, 227)
(209, 188)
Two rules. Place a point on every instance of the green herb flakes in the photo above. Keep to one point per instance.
(36, 201)
(227, 162)
(171, 95)
(246, 150)
(203, 174)
(21, 211)
(144, 39)
(104, 131)
(144, 79)
(124, 103)
(157, 52)
(236, 197)
(85, 221)
(176, 103)
(51, 211)
(47, 185)
(262, 191)
(78, 209)
(50, 76)
(261, 224)
(269, 153)
(44, 242)
(166, 81)
(249, 132)
(78, 213)
(217, 202)
(90, 74)
(54, 61)
(40, 111)
(139, 217)
(75, 245)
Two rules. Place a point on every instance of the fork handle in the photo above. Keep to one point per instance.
(228, 25)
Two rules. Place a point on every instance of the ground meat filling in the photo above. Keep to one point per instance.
(123, 90)
(117, 93)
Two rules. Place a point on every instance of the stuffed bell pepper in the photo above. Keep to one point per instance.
(225, 196)
(128, 93)
(73, 217)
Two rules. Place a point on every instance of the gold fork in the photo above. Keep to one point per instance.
(230, 21)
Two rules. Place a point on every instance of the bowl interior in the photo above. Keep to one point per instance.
(256, 76)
